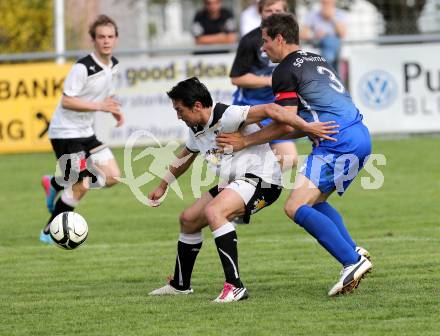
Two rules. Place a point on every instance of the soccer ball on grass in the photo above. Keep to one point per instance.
(69, 230)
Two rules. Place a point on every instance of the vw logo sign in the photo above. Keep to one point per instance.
(377, 89)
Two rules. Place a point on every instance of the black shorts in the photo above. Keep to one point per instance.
(264, 195)
(72, 155)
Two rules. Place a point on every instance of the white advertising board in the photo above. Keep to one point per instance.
(397, 88)
(142, 85)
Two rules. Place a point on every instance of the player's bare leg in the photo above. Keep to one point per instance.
(106, 165)
(110, 170)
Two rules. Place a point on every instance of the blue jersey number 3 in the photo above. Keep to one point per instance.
(335, 83)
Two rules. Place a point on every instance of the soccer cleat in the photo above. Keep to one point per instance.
(45, 238)
(230, 293)
(351, 277)
(170, 290)
(50, 192)
(363, 252)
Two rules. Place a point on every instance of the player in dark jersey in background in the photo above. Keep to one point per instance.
(305, 84)
(252, 74)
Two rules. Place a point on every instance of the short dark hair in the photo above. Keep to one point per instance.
(284, 24)
(189, 91)
(102, 20)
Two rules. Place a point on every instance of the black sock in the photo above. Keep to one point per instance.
(60, 207)
(185, 260)
(227, 250)
(55, 185)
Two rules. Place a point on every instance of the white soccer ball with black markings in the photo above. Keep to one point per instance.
(69, 230)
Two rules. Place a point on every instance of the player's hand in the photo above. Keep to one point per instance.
(119, 117)
(322, 130)
(155, 196)
(234, 141)
(111, 105)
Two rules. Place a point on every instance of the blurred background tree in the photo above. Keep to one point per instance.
(400, 15)
(26, 26)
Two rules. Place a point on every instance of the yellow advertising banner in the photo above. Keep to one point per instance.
(29, 94)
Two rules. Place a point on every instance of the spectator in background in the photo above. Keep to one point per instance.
(214, 24)
(326, 28)
(250, 18)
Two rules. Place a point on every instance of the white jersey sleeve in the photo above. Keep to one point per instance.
(233, 118)
(191, 143)
(75, 80)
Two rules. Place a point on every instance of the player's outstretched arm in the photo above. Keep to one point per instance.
(237, 141)
(287, 124)
(109, 104)
(288, 115)
(180, 165)
(315, 130)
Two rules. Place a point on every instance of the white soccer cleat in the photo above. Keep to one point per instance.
(363, 252)
(351, 277)
(230, 293)
(170, 290)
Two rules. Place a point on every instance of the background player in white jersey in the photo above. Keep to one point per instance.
(252, 181)
(88, 88)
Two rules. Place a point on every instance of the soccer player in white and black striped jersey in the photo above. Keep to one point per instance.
(252, 181)
(82, 158)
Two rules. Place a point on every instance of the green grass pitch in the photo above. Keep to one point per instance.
(101, 288)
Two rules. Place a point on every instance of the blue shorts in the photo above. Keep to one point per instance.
(266, 122)
(333, 166)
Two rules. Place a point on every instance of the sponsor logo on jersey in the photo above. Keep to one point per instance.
(377, 89)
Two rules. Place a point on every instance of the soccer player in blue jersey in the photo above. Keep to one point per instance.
(306, 84)
(252, 73)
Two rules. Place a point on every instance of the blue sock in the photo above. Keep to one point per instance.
(333, 214)
(325, 231)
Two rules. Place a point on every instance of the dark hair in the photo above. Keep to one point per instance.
(102, 20)
(284, 24)
(189, 91)
(264, 3)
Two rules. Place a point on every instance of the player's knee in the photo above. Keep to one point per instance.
(111, 181)
(290, 209)
(112, 178)
(187, 222)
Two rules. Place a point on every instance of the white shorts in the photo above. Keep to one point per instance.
(256, 193)
(101, 155)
